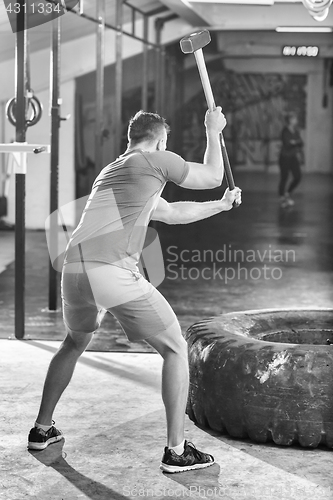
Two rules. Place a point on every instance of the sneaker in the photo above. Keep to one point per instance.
(39, 439)
(189, 460)
(289, 201)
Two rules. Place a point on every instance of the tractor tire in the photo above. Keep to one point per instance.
(266, 375)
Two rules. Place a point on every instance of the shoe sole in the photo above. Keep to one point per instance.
(42, 446)
(176, 468)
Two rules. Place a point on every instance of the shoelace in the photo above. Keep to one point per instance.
(198, 454)
(50, 429)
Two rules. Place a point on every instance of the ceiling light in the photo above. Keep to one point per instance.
(304, 29)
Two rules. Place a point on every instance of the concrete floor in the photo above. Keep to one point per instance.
(113, 420)
(112, 413)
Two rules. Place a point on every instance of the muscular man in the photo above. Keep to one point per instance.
(100, 271)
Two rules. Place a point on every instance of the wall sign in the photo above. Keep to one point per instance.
(301, 50)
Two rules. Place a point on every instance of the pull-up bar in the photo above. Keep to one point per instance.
(83, 15)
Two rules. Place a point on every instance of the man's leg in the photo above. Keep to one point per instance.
(60, 373)
(140, 317)
(175, 379)
(179, 455)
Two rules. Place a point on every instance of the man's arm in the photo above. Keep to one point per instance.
(185, 212)
(208, 174)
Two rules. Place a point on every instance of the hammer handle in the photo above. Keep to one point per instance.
(227, 167)
(199, 57)
(198, 54)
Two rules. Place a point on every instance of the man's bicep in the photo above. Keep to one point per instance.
(199, 177)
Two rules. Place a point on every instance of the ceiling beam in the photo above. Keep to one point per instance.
(254, 17)
(184, 10)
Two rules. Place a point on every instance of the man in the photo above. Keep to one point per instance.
(100, 271)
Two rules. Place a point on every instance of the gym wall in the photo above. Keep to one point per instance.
(256, 86)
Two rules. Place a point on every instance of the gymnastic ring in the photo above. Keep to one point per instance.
(266, 375)
(37, 110)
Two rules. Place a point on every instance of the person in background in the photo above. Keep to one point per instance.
(290, 159)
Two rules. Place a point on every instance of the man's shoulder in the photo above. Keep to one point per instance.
(164, 156)
(140, 155)
(134, 157)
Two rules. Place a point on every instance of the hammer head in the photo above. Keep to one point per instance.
(195, 41)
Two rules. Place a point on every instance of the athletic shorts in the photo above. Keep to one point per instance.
(138, 306)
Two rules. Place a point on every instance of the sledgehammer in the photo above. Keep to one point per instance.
(193, 44)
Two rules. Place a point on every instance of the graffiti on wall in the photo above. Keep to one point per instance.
(255, 106)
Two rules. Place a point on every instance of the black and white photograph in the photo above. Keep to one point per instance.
(166, 249)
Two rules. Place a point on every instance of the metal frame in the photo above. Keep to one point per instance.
(99, 121)
(120, 32)
(160, 58)
(117, 28)
(20, 151)
(119, 78)
(54, 181)
(3, 138)
(158, 36)
(20, 136)
(145, 66)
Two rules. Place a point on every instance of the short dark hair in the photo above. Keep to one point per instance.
(144, 126)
